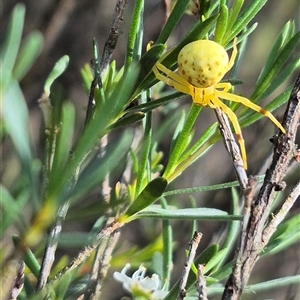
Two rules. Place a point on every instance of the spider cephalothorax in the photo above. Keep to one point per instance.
(201, 66)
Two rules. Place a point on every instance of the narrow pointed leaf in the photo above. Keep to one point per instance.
(59, 67)
(149, 195)
(156, 212)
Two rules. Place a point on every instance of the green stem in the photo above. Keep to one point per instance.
(167, 247)
(146, 146)
(181, 142)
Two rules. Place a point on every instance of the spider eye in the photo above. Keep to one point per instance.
(203, 63)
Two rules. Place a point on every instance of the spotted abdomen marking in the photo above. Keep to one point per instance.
(203, 63)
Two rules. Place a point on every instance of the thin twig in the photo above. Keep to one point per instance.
(281, 214)
(51, 246)
(201, 283)
(18, 281)
(248, 198)
(54, 232)
(191, 255)
(100, 266)
(257, 237)
(106, 232)
(232, 148)
(113, 35)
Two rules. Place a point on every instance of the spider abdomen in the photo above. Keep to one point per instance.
(203, 63)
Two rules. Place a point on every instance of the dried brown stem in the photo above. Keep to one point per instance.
(232, 148)
(191, 255)
(255, 237)
(201, 284)
(18, 281)
(100, 266)
(281, 214)
(106, 233)
(113, 36)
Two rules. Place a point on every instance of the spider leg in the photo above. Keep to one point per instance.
(253, 106)
(226, 86)
(233, 55)
(234, 120)
(172, 79)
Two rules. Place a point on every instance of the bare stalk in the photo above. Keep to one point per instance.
(187, 266)
(257, 234)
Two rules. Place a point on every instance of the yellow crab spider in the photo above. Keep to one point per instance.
(201, 66)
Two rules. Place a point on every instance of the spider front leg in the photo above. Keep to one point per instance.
(233, 55)
(216, 102)
(171, 79)
(248, 103)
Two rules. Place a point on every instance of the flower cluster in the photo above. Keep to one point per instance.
(139, 286)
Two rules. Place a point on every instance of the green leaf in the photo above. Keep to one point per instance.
(99, 167)
(30, 49)
(59, 67)
(146, 107)
(286, 235)
(233, 227)
(13, 37)
(275, 67)
(213, 187)
(275, 50)
(215, 260)
(29, 258)
(280, 78)
(167, 233)
(202, 213)
(271, 285)
(135, 35)
(143, 164)
(127, 120)
(97, 128)
(12, 209)
(182, 141)
(62, 287)
(150, 194)
(207, 254)
(231, 234)
(64, 141)
(110, 111)
(234, 13)
(221, 25)
(223, 272)
(147, 61)
(178, 129)
(135, 256)
(247, 15)
(15, 117)
(204, 7)
(86, 77)
(208, 138)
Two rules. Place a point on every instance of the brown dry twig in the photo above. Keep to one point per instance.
(201, 283)
(113, 36)
(100, 266)
(193, 245)
(108, 232)
(256, 237)
(232, 148)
